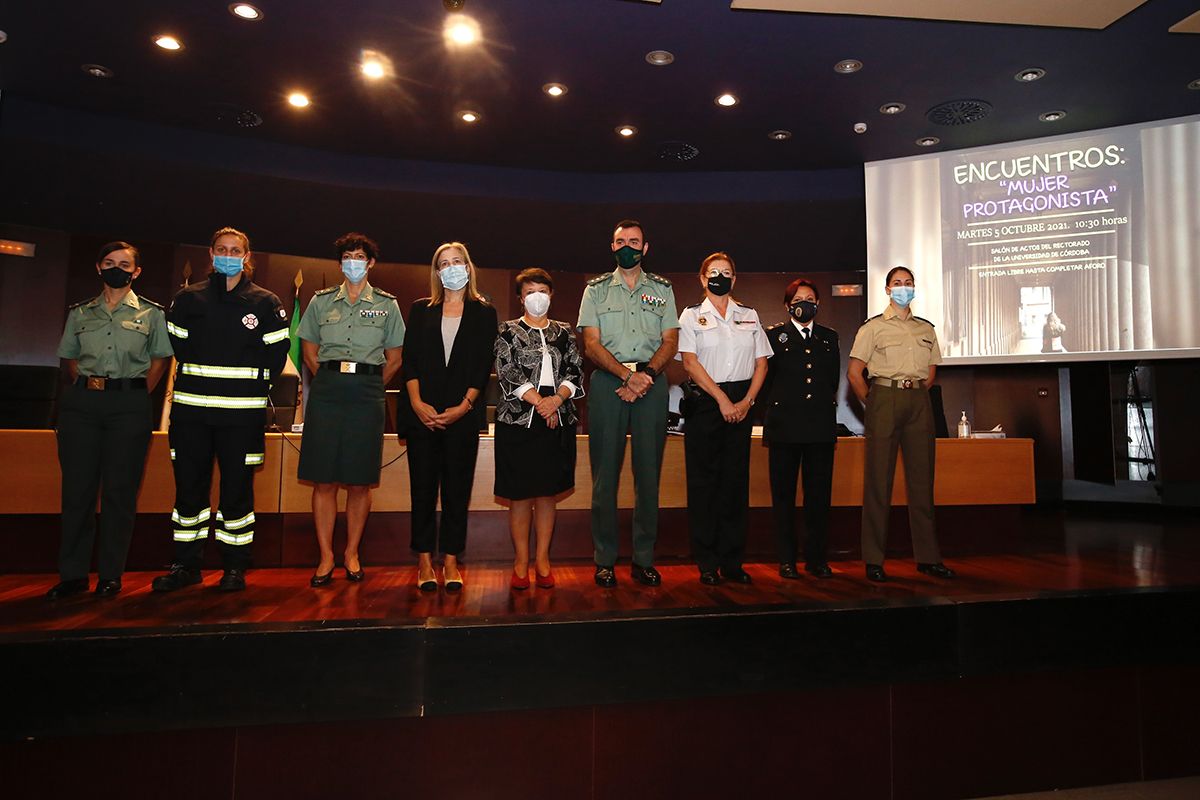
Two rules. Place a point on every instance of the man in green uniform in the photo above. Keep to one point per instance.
(630, 332)
(900, 354)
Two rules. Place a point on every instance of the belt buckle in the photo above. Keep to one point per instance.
(630, 365)
(347, 367)
(907, 383)
(96, 383)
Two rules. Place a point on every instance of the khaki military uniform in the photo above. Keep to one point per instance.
(631, 325)
(898, 351)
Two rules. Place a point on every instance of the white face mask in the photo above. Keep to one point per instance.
(537, 304)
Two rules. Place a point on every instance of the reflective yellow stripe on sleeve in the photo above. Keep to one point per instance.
(176, 331)
(275, 336)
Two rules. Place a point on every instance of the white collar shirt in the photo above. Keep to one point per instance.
(727, 347)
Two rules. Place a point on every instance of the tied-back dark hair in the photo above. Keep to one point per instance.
(794, 287)
(888, 280)
(113, 247)
(357, 241)
(532, 275)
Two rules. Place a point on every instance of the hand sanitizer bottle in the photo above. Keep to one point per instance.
(964, 427)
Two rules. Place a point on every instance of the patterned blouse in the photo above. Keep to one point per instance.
(519, 357)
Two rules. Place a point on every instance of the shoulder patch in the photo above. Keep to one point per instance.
(658, 279)
(148, 301)
(382, 293)
(599, 279)
(927, 322)
(327, 290)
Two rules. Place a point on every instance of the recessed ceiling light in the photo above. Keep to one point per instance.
(470, 117)
(3, 37)
(892, 108)
(555, 89)
(726, 100)
(1052, 116)
(1194, 85)
(780, 135)
(626, 131)
(847, 66)
(1030, 74)
(245, 11)
(97, 70)
(168, 42)
(660, 58)
(460, 30)
(928, 141)
(299, 99)
(373, 69)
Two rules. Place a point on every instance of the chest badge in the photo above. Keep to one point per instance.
(783, 337)
(250, 321)
(703, 320)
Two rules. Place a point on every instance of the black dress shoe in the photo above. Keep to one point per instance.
(355, 576)
(709, 577)
(818, 570)
(317, 581)
(646, 576)
(736, 575)
(234, 580)
(107, 587)
(875, 573)
(68, 588)
(789, 571)
(179, 577)
(606, 577)
(938, 570)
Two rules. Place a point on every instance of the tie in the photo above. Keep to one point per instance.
(804, 334)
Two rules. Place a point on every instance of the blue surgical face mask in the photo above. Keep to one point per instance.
(355, 269)
(454, 277)
(903, 295)
(228, 265)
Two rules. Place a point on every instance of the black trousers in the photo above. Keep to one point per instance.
(785, 462)
(442, 460)
(102, 443)
(717, 455)
(238, 450)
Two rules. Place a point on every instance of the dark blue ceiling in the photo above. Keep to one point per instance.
(780, 65)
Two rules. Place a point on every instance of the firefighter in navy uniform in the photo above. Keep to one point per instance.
(800, 427)
(231, 340)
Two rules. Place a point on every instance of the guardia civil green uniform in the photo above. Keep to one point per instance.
(631, 324)
(898, 351)
(104, 427)
(344, 413)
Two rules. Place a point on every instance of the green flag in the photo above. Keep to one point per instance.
(294, 354)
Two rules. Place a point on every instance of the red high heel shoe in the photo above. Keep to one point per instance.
(545, 581)
(517, 582)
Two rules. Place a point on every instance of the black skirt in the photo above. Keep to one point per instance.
(534, 462)
(343, 429)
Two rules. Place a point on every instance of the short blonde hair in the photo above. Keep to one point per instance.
(436, 292)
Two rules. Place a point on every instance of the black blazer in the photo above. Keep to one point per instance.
(444, 385)
(801, 386)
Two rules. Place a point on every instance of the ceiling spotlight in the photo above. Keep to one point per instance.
(847, 66)
(660, 58)
(554, 89)
(928, 141)
(779, 135)
(168, 42)
(860, 127)
(892, 108)
(3, 37)
(460, 30)
(626, 131)
(470, 117)
(373, 70)
(245, 11)
(299, 99)
(1194, 85)
(453, 5)
(97, 70)
(1052, 116)
(1030, 75)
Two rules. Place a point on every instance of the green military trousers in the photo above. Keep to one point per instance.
(898, 419)
(609, 419)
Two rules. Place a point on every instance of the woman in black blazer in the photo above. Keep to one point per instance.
(447, 361)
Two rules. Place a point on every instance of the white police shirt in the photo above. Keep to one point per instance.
(727, 347)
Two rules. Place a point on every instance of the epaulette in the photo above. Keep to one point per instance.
(148, 301)
(599, 279)
(776, 325)
(696, 305)
(327, 290)
(868, 319)
(382, 293)
(658, 279)
(80, 303)
(927, 322)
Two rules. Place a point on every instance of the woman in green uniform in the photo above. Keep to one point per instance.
(352, 337)
(115, 348)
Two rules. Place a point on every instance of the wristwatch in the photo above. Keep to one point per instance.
(651, 371)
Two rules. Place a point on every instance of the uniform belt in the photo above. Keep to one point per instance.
(635, 366)
(900, 383)
(99, 384)
(353, 367)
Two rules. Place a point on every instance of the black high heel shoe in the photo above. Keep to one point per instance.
(317, 581)
(355, 576)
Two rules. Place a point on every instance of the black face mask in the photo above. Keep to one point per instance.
(803, 311)
(116, 278)
(720, 285)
